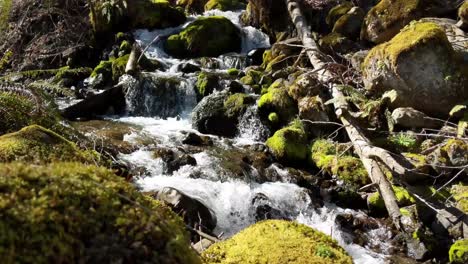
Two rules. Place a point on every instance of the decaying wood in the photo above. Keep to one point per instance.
(360, 143)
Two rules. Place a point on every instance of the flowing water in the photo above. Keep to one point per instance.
(162, 109)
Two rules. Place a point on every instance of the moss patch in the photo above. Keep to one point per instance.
(460, 194)
(68, 212)
(223, 5)
(72, 74)
(277, 242)
(375, 201)
(458, 252)
(118, 67)
(463, 12)
(206, 83)
(236, 104)
(196, 40)
(5, 7)
(289, 144)
(35, 144)
(278, 100)
(336, 12)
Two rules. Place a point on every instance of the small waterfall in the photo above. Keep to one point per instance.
(251, 128)
(162, 95)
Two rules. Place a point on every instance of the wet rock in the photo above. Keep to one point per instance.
(236, 87)
(421, 49)
(196, 40)
(357, 226)
(174, 160)
(410, 118)
(346, 197)
(109, 102)
(209, 116)
(207, 82)
(263, 208)
(255, 56)
(197, 140)
(194, 212)
(188, 67)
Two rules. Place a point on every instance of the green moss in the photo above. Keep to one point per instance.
(323, 154)
(336, 42)
(73, 74)
(233, 72)
(463, 12)
(336, 12)
(35, 144)
(30, 75)
(206, 83)
(5, 60)
(419, 161)
(190, 6)
(5, 7)
(351, 170)
(460, 195)
(223, 5)
(273, 118)
(18, 111)
(458, 252)
(68, 212)
(375, 201)
(277, 242)
(118, 67)
(196, 40)
(236, 104)
(278, 100)
(289, 144)
(120, 37)
(414, 35)
(125, 47)
(104, 68)
(252, 77)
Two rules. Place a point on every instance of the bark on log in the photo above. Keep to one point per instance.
(360, 143)
(132, 63)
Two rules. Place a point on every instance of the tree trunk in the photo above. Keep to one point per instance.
(360, 142)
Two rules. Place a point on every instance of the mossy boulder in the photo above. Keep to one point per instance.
(196, 40)
(224, 5)
(460, 195)
(277, 100)
(289, 144)
(304, 85)
(458, 252)
(335, 159)
(338, 11)
(277, 242)
(463, 12)
(192, 6)
(456, 150)
(236, 104)
(337, 43)
(114, 16)
(420, 49)
(388, 17)
(69, 212)
(206, 83)
(349, 25)
(312, 108)
(35, 144)
(26, 107)
(118, 67)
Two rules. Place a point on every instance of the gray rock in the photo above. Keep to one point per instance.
(410, 118)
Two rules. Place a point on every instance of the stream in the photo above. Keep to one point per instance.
(164, 120)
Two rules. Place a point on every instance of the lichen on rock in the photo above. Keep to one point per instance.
(277, 242)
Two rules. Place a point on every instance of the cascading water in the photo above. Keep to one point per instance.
(162, 108)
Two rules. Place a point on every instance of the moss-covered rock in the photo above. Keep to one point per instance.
(305, 85)
(463, 12)
(35, 144)
(351, 170)
(349, 25)
(460, 194)
(26, 107)
(233, 72)
(338, 11)
(277, 100)
(68, 212)
(236, 104)
(388, 17)
(456, 151)
(192, 6)
(289, 144)
(336, 42)
(458, 252)
(104, 68)
(206, 83)
(196, 40)
(376, 202)
(69, 76)
(421, 49)
(277, 242)
(5, 14)
(312, 108)
(125, 47)
(114, 16)
(224, 5)
(118, 67)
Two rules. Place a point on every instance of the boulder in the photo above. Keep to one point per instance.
(337, 12)
(196, 40)
(264, 210)
(192, 6)
(207, 82)
(408, 117)
(388, 17)
(194, 212)
(305, 85)
(289, 144)
(197, 140)
(349, 25)
(312, 108)
(277, 242)
(224, 5)
(93, 220)
(271, 16)
(188, 67)
(421, 66)
(277, 100)
(337, 43)
(173, 160)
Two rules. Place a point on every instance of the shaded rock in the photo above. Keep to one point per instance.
(174, 160)
(422, 50)
(196, 39)
(224, 5)
(256, 56)
(263, 208)
(109, 102)
(349, 25)
(337, 43)
(463, 13)
(337, 12)
(281, 54)
(457, 151)
(188, 67)
(235, 87)
(194, 212)
(305, 85)
(192, 6)
(312, 108)
(356, 59)
(410, 118)
(197, 140)
(270, 16)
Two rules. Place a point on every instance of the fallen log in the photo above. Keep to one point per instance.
(360, 143)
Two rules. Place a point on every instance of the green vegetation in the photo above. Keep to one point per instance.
(118, 67)
(206, 83)
(196, 40)
(460, 195)
(277, 100)
(375, 201)
(458, 252)
(69, 212)
(5, 60)
(73, 74)
(223, 5)
(236, 104)
(35, 144)
(5, 7)
(277, 242)
(289, 144)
